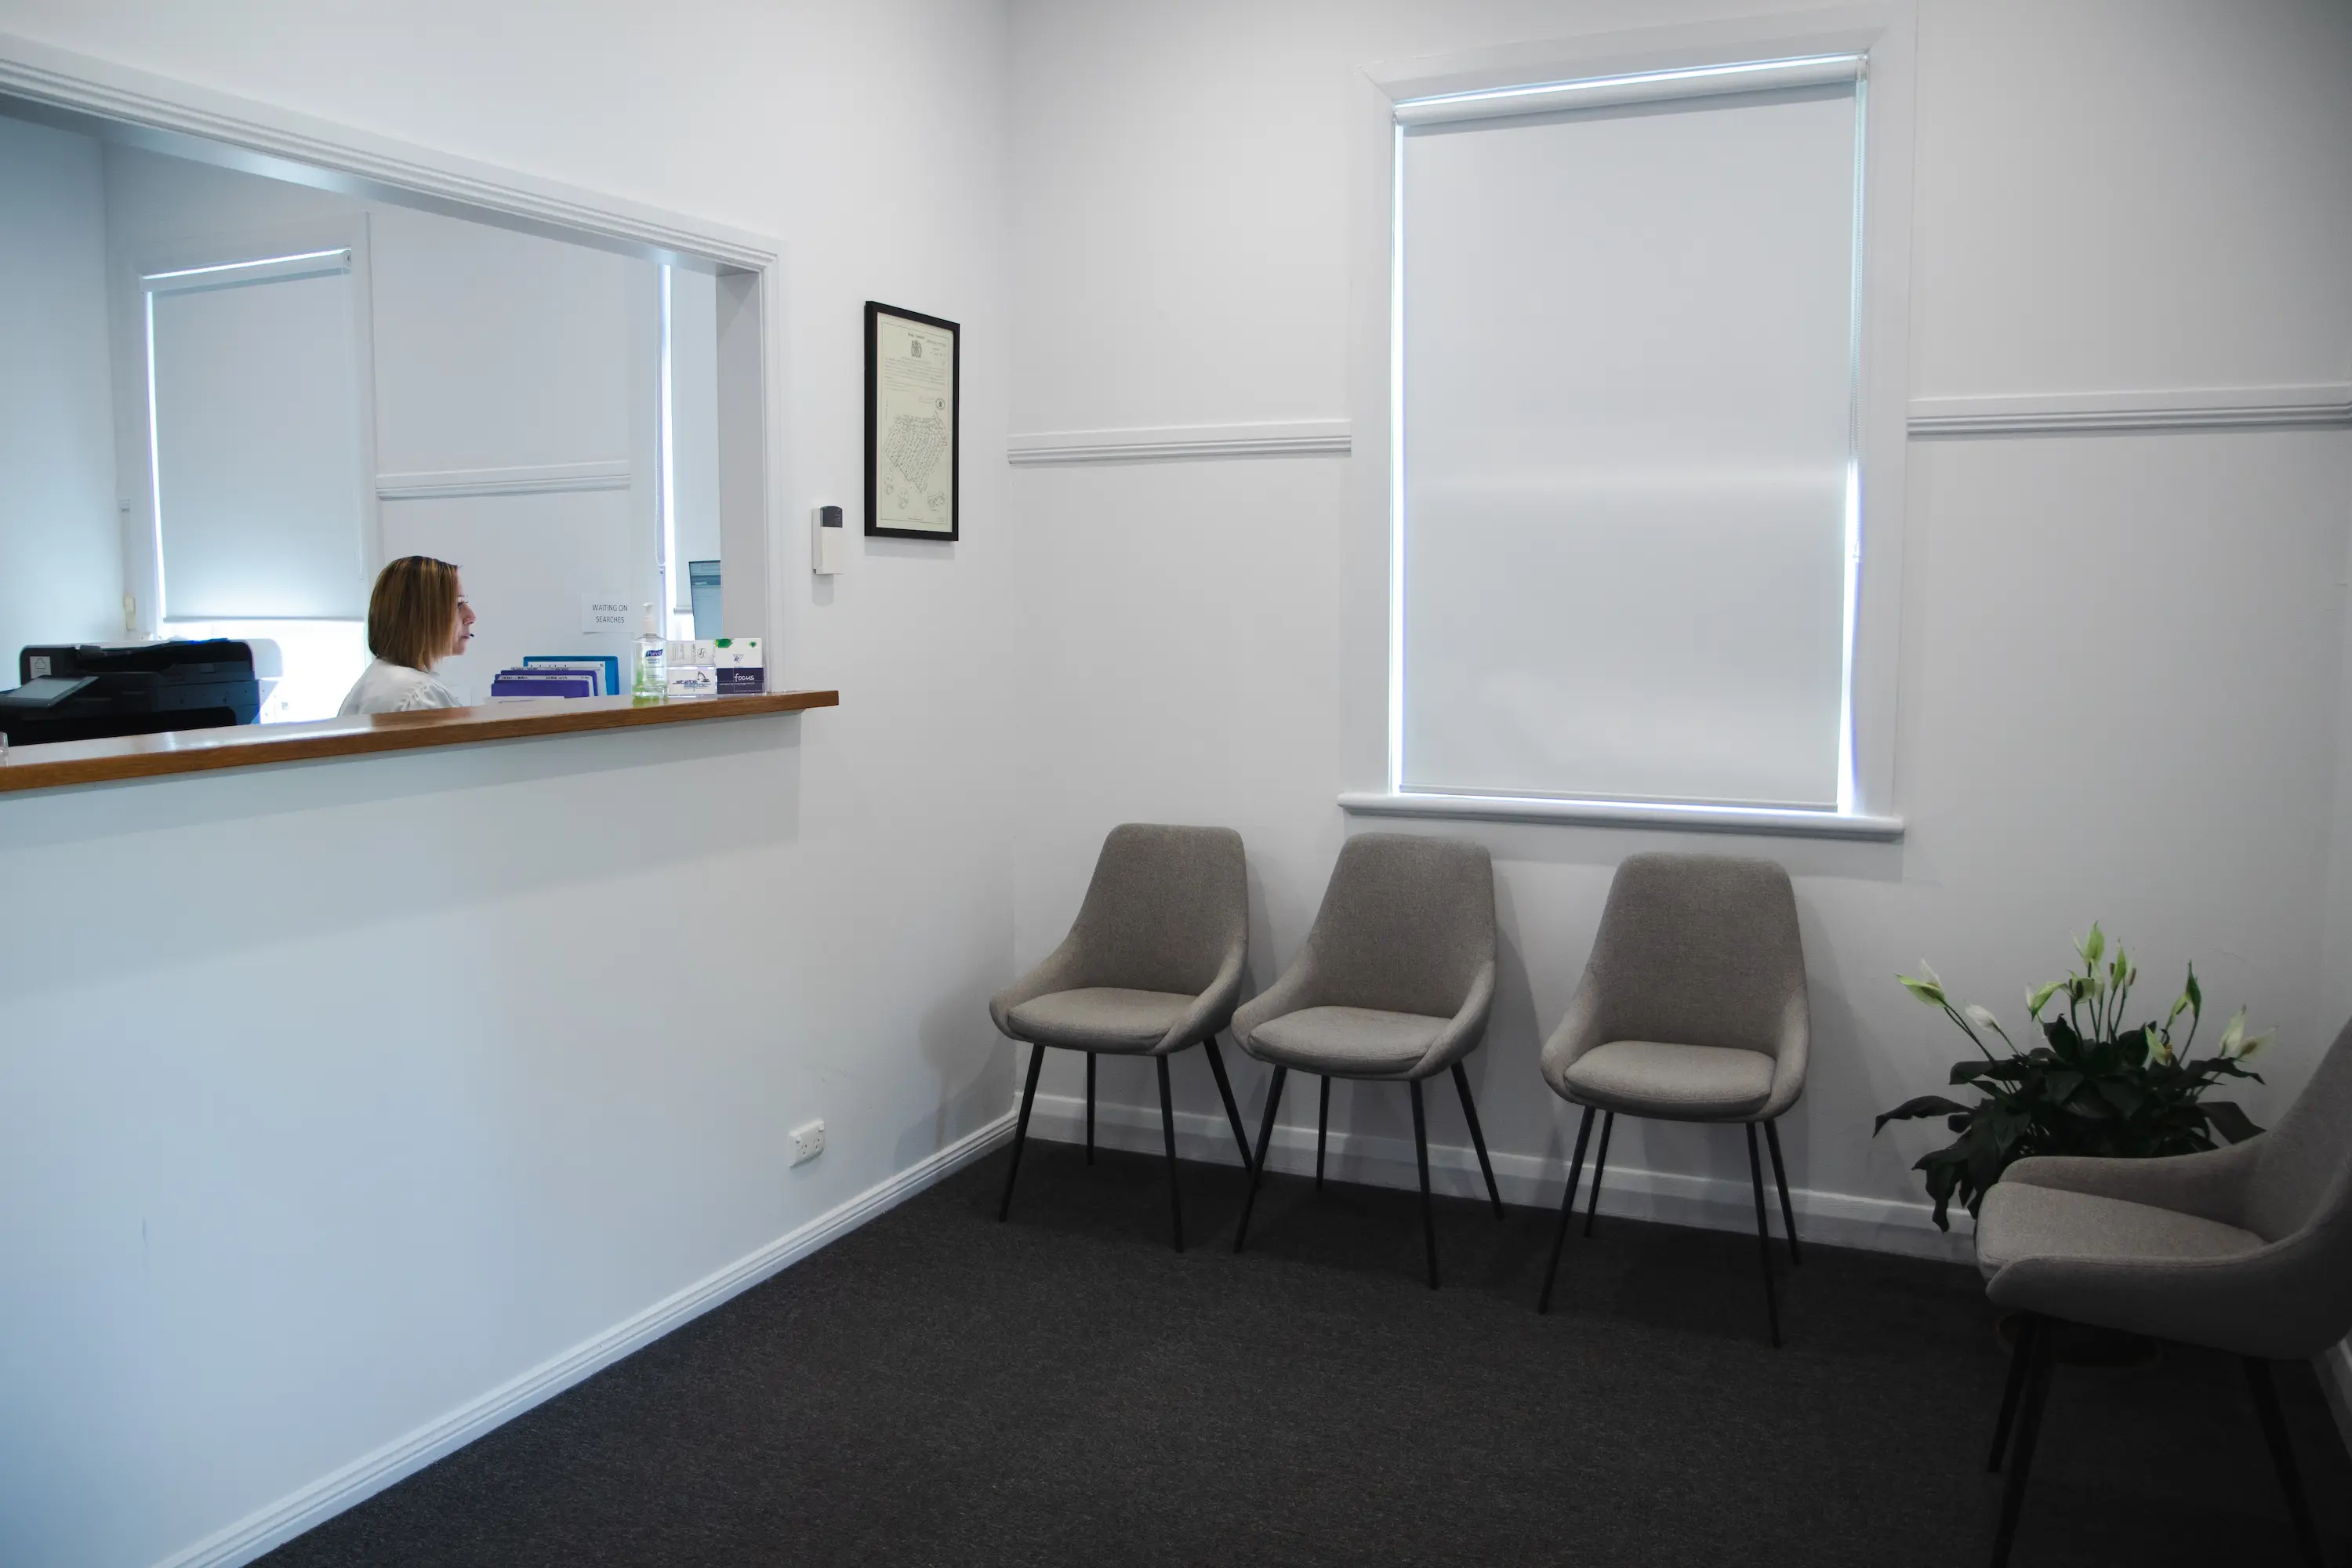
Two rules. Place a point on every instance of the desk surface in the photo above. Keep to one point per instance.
(250, 745)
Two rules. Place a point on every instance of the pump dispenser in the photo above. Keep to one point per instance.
(652, 662)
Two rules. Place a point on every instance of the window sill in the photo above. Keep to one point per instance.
(68, 762)
(1625, 814)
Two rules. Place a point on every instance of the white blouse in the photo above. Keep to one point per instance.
(385, 688)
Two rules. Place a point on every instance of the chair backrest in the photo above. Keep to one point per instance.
(1406, 924)
(1698, 950)
(2305, 1174)
(1165, 908)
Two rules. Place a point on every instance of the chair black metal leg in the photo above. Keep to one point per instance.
(1090, 1108)
(1168, 1130)
(2028, 1428)
(1226, 1093)
(2298, 1506)
(1763, 1238)
(1781, 1176)
(1257, 1166)
(1421, 1154)
(1478, 1137)
(1600, 1163)
(1567, 1211)
(2021, 1361)
(1021, 1129)
(1322, 1127)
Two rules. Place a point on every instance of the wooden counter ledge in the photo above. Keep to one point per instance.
(251, 745)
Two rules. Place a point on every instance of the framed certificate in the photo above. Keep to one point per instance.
(913, 364)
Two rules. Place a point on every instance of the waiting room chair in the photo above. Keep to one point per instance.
(1395, 983)
(2246, 1249)
(1153, 965)
(1692, 1009)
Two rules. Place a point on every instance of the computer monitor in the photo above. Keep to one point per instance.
(702, 583)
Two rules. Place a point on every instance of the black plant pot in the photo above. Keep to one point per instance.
(2080, 1344)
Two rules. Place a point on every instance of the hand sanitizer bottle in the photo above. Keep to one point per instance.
(652, 661)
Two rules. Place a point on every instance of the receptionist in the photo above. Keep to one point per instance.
(417, 617)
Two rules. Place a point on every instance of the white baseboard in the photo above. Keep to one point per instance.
(1835, 1219)
(281, 1522)
(2334, 1365)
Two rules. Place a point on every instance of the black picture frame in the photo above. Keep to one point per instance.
(875, 526)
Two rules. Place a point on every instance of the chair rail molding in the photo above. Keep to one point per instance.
(537, 479)
(1164, 442)
(2285, 407)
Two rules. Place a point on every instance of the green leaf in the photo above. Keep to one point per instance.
(2229, 1119)
(1913, 1109)
(1930, 990)
(2090, 946)
(2193, 992)
(2120, 1094)
(2039, 997)
(2060, 1086)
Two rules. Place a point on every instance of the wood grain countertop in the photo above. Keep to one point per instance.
(251, 745)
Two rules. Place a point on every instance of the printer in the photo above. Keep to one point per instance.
(89, 692)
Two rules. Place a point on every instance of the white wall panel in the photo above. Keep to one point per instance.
(495, 349)
(410, 1108)
(526, 561)
(60, 552)
(2121, 656)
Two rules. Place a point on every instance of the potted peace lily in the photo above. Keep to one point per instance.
(2094, 1087)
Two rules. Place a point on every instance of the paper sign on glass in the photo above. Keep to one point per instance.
(603, 614)
(912, 365)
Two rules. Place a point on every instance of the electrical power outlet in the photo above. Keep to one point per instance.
(808, 1142)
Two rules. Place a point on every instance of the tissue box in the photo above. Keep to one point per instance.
(690, 669)
(741, 667)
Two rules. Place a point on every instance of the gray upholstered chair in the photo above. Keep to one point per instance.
(1395, 983)
(1153, 965)
(1692, 1009)
(2246, 1249)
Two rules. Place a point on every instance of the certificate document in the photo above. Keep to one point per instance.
(910, 424)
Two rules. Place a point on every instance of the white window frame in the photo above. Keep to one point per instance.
(258, 252)
(1882, 37)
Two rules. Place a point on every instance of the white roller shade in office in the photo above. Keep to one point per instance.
(259, 491)
(1628, 382)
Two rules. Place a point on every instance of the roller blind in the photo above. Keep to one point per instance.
(259, 499)
(1627, 400)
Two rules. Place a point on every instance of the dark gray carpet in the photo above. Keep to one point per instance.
(937, 1388)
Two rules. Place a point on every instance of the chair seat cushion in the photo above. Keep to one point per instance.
(2019, 1220)
(1347, 1042)
(1101, 1018)
(1691, 1083)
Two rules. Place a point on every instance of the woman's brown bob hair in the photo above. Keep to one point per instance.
(413, 612)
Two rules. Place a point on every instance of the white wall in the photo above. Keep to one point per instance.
(61, 564)
(2122, 656)
(383, 1093)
